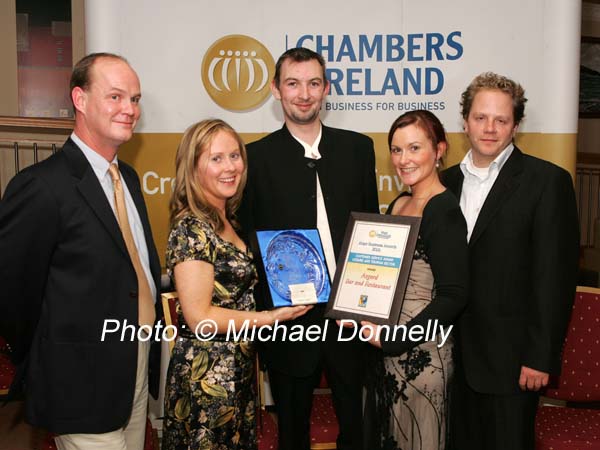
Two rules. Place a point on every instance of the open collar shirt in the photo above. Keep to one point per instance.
(478, 182)
(312, 152)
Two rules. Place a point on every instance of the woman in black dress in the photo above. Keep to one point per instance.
(407, 394)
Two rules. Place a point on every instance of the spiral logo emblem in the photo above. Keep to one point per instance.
(236, 71)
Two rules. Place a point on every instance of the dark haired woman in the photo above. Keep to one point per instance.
(407, 401)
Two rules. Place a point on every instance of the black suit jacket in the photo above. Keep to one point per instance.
(523, 266)
(65, 270)
(281, 194)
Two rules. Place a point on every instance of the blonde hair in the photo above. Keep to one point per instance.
(188, 196)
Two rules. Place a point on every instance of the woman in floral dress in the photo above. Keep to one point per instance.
(407, 395)
(209, 398)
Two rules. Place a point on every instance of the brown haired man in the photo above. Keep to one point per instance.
(307, 175)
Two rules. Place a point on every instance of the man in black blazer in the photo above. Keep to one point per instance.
(307, 175)
(523, 242)
(66, 271)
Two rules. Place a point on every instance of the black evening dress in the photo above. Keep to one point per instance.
(408, 382)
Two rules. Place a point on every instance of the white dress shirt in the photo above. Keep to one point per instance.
(100, 167)
(477, 185)
(312, 152)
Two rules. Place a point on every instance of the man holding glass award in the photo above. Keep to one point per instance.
(301, 178)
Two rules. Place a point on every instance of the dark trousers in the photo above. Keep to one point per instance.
(491, 421)
(293, 400)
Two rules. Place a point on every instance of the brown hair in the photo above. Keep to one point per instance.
(81, 71)
(425, 120)
(298, 54)
(491, 80)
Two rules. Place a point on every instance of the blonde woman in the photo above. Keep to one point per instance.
(209, 398)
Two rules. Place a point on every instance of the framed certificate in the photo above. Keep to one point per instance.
(293, 264)
(373, 268)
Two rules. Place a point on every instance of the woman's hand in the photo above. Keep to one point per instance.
(288, 313)
(370, 333)
(346, 323)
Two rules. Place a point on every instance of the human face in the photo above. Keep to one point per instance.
(414, 156)
(109, 109)
(220, 168)
(490, 125)
(301, 91)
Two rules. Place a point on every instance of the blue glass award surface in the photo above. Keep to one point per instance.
(294, 266)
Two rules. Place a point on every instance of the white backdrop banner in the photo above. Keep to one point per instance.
(198, 59)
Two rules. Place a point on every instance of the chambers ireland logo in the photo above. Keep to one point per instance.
(236, 71)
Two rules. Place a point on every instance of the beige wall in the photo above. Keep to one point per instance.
(78, 29)
(9, 93)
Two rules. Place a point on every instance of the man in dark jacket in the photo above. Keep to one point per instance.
(523, 246)
(307, 175)
(77, 259)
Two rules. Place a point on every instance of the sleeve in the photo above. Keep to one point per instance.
(445, 237)
(190, 240)
(29, 231)
(555, 253)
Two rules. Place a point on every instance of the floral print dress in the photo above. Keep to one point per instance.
(210, 397)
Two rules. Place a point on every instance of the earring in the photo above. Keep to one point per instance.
(437, 163)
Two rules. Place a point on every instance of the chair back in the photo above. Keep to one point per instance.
(7, 369)
(169, 304)
(579, 379)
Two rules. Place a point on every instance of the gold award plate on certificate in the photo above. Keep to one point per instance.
(373, 268)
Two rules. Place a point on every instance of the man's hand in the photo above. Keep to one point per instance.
(532, 380)
(289, 312)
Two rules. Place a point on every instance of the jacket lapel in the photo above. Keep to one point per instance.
(453, 179)
(504, 186)
(325, 164)
(290, 151)
(302, 172)
(92, 192)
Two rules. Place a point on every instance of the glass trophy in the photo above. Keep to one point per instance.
(293, 263)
